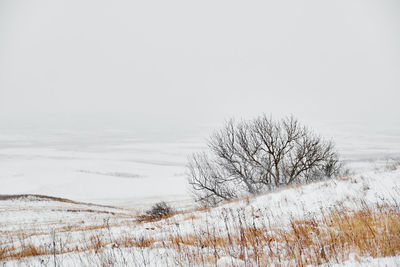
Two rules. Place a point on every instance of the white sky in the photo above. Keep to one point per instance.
(200, 62)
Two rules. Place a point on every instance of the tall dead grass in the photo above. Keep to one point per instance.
(328, 238)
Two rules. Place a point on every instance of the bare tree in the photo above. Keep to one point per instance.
(257, 156)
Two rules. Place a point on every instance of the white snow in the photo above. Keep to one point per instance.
(117, 168)
(133, 174)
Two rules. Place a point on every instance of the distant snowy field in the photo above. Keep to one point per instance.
(119, 168)
(104, 169)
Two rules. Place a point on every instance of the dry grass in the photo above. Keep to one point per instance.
(190, 217)
(392, 165)
(367, 232)
(27, 248)
(142, 242)
(328, 238)
(24, 251)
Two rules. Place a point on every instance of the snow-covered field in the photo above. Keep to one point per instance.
(102, 168)
(123, 176)
(118, 167)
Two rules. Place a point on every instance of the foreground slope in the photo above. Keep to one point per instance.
(343, 221)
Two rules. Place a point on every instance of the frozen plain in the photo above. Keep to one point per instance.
(106, 168)
(126, 169)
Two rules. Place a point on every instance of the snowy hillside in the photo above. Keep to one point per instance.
(281, 227)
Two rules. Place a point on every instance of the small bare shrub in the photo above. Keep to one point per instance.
(158, 211)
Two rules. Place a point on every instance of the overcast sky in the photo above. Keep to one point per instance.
(200, 62)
